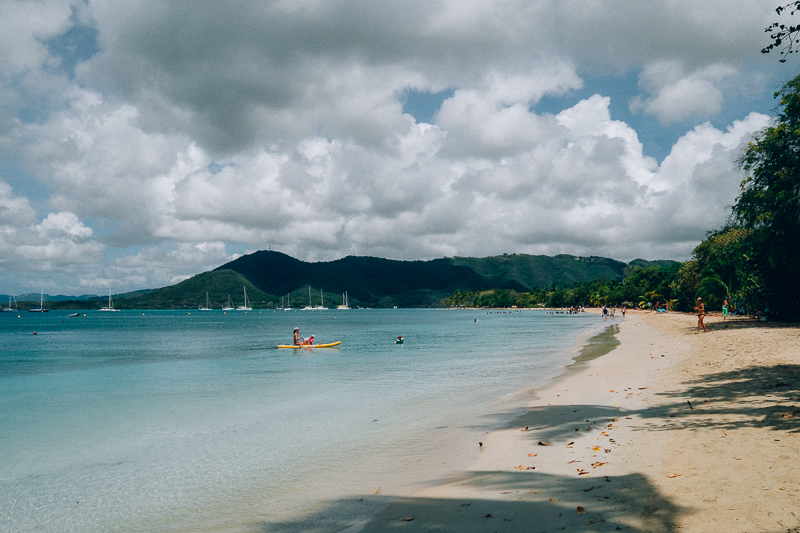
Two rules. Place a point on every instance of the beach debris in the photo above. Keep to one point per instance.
(581, 510)
(489, 515)
(598, 464)
(690, 405)
(570, 443)
(607, 450)
(607, 478)
(532, 454)
(673, 475)
(544, 443)
(480, 445)
(407, 519)
(723, 432)
(526, 428)
(520, 467)
(590, 488)
(378, 491)
(596, 449)
(582, 472)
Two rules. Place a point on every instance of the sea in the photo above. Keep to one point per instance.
(177, 421)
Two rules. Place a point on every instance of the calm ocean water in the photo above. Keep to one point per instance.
(177, 421)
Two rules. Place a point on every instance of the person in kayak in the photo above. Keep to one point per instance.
(298, 340)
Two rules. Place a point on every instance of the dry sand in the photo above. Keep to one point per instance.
(672, 430)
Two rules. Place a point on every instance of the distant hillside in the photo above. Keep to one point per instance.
(525, 272)
(373, 281)
(272, 278)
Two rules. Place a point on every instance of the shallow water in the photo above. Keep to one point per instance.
(177, 421)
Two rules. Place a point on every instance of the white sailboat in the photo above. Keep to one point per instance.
(244, 307)
(207, 307)
(288, 304)
(110, 306)
(309, 307)
(9, 308)
(228, 307)
(345, 302)
(321, 306)
(41, 308)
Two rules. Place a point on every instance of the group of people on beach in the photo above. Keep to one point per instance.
(610, 312)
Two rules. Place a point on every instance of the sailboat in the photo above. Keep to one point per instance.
(228, 307)
(244, 307)
(9, 308)
(41, 308)
(207, 306)
(345, 302)
(321, 306)
(309, 307)
(288, 304)
(110, 306)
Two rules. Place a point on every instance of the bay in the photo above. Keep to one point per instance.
(195, 421)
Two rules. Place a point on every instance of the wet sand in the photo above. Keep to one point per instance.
(672, 430)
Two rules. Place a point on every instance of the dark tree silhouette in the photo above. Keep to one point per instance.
(784, 38)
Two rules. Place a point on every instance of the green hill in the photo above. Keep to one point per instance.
(371, 281)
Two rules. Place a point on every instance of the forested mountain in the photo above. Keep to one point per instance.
(375, 282)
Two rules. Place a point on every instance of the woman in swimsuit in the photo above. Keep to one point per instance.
(701, 311)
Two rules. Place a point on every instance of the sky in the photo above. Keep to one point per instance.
(144, 142)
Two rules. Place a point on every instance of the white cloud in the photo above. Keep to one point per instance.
(677, 97)
(195, 131)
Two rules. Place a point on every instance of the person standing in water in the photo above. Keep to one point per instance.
(701, 312)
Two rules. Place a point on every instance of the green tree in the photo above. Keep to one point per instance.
(769, 203)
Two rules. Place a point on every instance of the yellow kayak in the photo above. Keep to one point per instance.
(330, 345)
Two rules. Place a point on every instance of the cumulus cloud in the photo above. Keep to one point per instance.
(675, 96)
(188, 133)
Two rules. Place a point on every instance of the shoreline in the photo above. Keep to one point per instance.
(669, 430)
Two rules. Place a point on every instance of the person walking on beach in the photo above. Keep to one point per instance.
(701, 311)
(724, 309)
(605, 312)
(623, 311)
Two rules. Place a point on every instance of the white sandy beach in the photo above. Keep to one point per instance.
(670, 431)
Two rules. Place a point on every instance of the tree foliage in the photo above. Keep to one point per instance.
(784, 38)
(769, 204)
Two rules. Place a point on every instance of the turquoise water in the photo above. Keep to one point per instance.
(177, 421)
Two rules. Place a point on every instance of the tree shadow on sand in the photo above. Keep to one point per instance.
(757, 396)
(521, 501)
